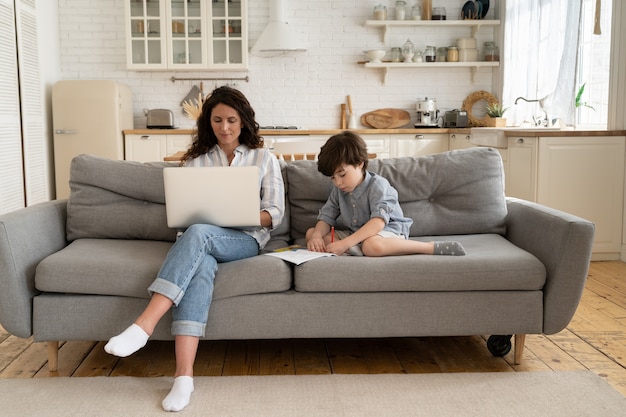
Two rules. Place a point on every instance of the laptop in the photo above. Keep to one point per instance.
(221, 196)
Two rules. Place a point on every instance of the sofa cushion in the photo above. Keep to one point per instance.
(117, 199)
(128, 267)
(492, 263)
(450, 193)
(114, 199)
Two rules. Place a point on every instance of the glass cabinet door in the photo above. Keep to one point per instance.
(147, 37)
(187, 34)
(229, 43)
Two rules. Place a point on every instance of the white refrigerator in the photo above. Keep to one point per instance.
(88, 117)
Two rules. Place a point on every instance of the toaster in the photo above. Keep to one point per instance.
(455, 118)
(160, 119)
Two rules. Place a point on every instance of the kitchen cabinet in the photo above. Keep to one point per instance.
(419, 144)
(473, 25)
(464, 141)
(187, 34)
(580, 175)
(521, 170)
(459, 141)
(153, 147)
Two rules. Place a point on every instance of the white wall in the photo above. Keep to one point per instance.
(303, 89)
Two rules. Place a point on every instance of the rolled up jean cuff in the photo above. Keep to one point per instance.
(166, 289)
(188, 328)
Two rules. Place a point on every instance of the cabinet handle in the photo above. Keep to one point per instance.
(520, 140)
(419, 136)
(145, 137)
(453, 136)
(468, 137)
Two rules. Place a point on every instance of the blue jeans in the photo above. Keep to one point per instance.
(188, 273)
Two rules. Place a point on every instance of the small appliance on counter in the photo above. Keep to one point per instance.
(159, 119)
(455, 118)
(427, 113)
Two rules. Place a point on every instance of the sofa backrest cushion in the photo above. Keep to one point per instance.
(114, 199)
(454, 192)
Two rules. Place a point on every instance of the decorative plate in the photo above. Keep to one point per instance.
(485, 9)
(469, 10)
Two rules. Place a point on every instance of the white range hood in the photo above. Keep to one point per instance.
(278, 37)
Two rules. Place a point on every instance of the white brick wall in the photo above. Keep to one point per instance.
(302, 89)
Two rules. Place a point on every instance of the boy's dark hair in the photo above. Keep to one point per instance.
(343, 148)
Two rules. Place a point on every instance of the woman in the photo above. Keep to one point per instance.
(227, 135)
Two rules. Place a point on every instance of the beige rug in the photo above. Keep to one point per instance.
(514, 394)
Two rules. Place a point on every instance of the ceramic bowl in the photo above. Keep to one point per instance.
(375, 55)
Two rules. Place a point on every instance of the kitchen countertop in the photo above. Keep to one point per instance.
(303, 132)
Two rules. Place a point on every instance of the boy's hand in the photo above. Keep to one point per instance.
(316, 244)
(338, 247)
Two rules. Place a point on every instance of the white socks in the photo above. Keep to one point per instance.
(130, 341)
(180, 395)
(127, 342)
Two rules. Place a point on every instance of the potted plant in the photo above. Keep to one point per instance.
(495, 111)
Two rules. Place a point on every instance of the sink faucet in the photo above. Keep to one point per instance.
(537, 120)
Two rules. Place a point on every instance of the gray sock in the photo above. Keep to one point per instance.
(449, 248)
(355, 251)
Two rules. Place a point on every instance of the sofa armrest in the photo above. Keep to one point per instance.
(27, 236)
(563, 243)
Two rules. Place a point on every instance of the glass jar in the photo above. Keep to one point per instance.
(429, 54)
(492, 52)
(453, 54)
(396, 54)
(408, 50)
(442, 53)
(380, 12)
(416, 12)
(439, 13)
(400, 10)
(419, 56)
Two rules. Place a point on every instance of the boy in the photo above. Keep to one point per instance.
(366, 205)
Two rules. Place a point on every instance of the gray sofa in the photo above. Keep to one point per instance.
(78, 269)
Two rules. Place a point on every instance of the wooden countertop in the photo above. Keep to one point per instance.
(329, 132)
(562, 133)
(302, 132)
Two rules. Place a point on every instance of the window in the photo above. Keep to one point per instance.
(594, 66)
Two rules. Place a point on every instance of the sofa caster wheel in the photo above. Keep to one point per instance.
(499, 345)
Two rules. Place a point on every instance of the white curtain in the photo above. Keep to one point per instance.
(539, 59)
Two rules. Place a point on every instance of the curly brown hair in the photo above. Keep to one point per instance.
(343, 148)
(204, 137)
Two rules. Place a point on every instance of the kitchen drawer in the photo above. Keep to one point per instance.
(144, 148)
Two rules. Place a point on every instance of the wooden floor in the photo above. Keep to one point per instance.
(594, 340)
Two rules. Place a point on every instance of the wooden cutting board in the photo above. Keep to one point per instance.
(386, 118)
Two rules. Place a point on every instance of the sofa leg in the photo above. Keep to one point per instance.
(53, 357)
(519, 348)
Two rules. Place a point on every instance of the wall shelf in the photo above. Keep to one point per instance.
(386, 66)
(475, 25)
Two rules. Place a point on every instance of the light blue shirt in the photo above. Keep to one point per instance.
(271, 186)
(374, 197)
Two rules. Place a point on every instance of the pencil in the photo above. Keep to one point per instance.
(332, 234)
